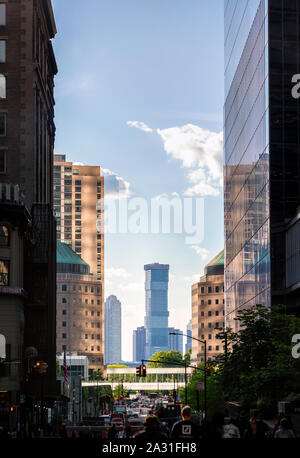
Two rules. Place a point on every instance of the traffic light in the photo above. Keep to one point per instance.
(138, 371)
(207, 369)
(41, 367)
(144, 371)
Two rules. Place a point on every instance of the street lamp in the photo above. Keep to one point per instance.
(205, 364)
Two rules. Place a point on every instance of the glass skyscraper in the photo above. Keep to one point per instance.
(261, 150)
(113, 330)
(157, 315)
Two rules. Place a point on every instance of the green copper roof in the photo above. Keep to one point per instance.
(216, 265)
(65, 255)
(68, 261)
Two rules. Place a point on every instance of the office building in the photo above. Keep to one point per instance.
(80, 321)
(261, 173)
(78, 192)
(139, 344)
(175, 341)
(157, 315)
(113, 330)
(208, 311)
(27, 225)
(188, 344)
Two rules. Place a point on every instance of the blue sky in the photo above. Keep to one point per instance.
(140, 93)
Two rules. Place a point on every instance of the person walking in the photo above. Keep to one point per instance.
(284, 432)
(230, 430)
(186, 428)
(152, 431)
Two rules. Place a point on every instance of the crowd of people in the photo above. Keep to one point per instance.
(219, 428)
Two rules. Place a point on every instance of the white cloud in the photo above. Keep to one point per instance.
(166, 196)
(192, 279)
(202, 252)
(200, 151)
(113, 272)
(139, 125)
(115, 186)
(132, 287)
(202, 189)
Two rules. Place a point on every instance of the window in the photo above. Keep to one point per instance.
(202, 302)
(2, 14)
(63, 300)
(217, 289)
(202, 325)
(217, 301)
(217, 325)
(209, 302)
(98, 348)
(2, 124)
(64, 347)
(92, 348)
(4, 272)
(209, 313)
(77, 182)
(64, 336)
(209, 348)
(86, 336)
(64, 312)
(202, 313)
(209, 325)
(217, 348)
(202, 290)
(209, 289)
(2, 50)
(217, 313)
(64, 324)
(64, 287)
(4, 236)
(93, 336)
(2, 86)
(209, 336)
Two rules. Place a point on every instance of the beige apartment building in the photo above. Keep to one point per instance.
(80, 318)
(208, 310)
(77, 191)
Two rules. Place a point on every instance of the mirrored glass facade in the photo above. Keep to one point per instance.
(261, 150)
(157, 315)
(246, 155)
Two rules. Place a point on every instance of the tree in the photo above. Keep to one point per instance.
(259, 369)
(187, 357)
(215, 398)
(167, 357)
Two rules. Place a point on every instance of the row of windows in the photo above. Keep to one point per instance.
(79, 300)
(93, 336)
(92, 289)
(216, 325)
(210, 313)
(210, 289)
(209, 302)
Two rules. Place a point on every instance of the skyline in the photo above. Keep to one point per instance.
(152, 127)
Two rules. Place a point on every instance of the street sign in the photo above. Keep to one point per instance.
(200, 386)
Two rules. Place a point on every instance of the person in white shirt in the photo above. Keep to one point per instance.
(230, 431)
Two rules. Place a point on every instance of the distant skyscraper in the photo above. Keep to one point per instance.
(139, 343)
(113, 330)
(175, 342)
(156, 319)
(188, 344)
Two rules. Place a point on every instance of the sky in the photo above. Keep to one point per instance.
(140, 92)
